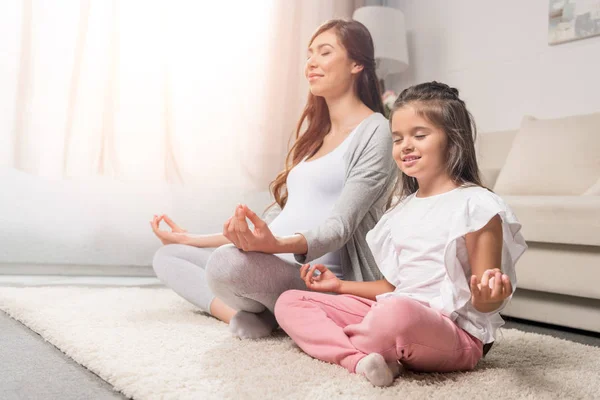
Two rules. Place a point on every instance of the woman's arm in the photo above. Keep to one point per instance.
(178, 235)
(214, 240)
(295, 244)
(368, 180)
(484, 248)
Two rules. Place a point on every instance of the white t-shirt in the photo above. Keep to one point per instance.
(419, 246)
(313, 188)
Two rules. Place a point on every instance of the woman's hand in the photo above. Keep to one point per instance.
(175, 236)
(325, 282)
(493, 289)
(230, 229)
(258, 239)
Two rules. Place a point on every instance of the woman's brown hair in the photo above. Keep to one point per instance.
(357, 41)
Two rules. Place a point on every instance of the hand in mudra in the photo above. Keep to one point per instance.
(166, 237)
(493, 288)
(326, 281)
(260, 238)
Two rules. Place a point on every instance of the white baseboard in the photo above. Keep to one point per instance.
(76, 270)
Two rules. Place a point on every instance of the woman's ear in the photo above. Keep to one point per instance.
(356, 68)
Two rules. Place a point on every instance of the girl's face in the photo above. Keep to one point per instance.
(328, 69)
(419, 146)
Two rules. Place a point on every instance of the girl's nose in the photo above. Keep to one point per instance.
(407, 146)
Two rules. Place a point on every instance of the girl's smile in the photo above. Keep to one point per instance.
(409, 161)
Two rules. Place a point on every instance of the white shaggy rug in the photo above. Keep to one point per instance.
(149, 344)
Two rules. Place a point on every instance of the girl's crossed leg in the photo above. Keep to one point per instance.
(344, 329)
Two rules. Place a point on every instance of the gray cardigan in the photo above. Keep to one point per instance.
(370, 174)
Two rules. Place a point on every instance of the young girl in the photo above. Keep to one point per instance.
(447, 252)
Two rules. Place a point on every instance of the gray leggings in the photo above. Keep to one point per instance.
(247, 281)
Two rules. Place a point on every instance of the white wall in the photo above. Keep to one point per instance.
(497, 55)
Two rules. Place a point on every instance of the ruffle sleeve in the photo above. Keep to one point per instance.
(382, 247)
(455, 295)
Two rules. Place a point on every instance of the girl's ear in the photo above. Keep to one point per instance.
(356, 68)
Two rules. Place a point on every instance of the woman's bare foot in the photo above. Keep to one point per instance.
(222, 311)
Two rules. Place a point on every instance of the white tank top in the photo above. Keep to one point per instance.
(313, 188)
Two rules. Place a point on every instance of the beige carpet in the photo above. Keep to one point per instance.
(150, 344)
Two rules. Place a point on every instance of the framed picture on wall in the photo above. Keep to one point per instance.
(570, 20)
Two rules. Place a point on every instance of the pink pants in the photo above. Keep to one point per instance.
(343, 329)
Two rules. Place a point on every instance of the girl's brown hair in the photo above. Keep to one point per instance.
(439, 104)
(357, 41)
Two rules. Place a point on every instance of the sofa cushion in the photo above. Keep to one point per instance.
(594, 190)
(552, 157)
(493, 148)
(558, 219)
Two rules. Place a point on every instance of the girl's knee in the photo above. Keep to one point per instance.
(396, 315)
(399, 305)
(288, 298)
(285, 303)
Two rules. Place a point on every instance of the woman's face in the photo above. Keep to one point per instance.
(328, 69)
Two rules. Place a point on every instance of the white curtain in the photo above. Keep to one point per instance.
(190, 92)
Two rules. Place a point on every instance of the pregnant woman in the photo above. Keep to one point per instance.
(333, 190)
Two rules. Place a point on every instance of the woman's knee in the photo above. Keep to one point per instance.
(225, 267)
(163, 260)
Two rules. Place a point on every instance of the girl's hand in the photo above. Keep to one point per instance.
(493, 289)
(325, 282)
(175, 236)
(259, 239)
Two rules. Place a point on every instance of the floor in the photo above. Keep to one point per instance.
(34, 369)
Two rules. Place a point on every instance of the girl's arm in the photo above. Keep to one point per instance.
(367, 290)
(326, 281)
(484, 248)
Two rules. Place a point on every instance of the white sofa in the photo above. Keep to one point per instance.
(548, 171)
